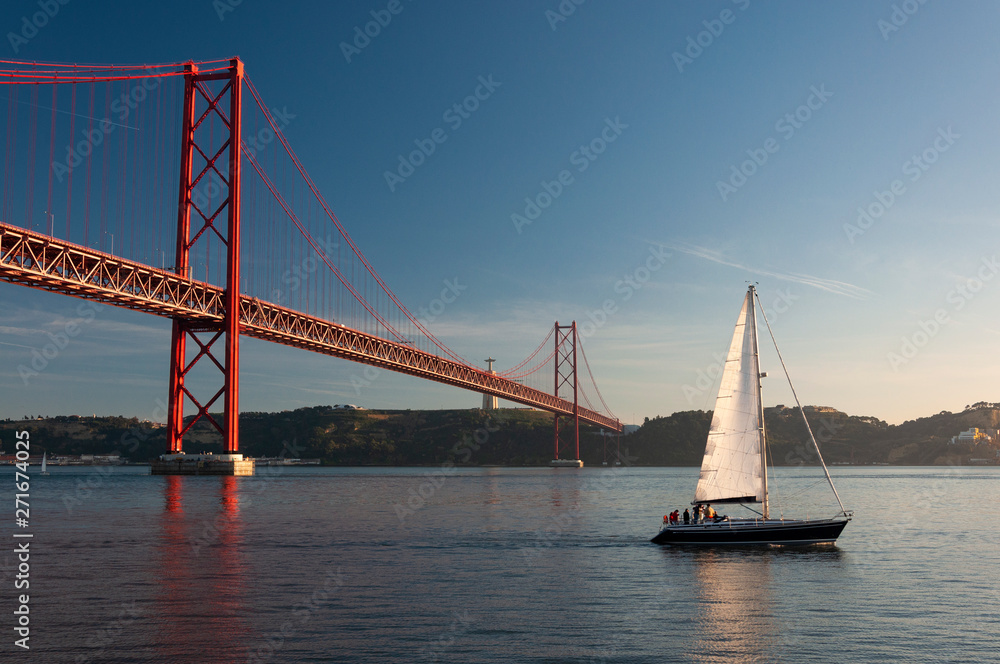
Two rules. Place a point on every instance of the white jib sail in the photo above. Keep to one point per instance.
(732, 468)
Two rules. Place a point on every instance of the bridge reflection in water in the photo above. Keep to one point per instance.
(203, 583)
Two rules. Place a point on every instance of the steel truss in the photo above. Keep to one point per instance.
(39, 261)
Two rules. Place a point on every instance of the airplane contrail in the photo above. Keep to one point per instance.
(829, 285)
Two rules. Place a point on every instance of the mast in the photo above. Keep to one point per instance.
(752, 296)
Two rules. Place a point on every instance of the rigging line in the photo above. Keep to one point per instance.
(587, 364)
(343, 231)
(797, 403)
(537, 350)
(312, 242)
(540, 365)
(803, 490)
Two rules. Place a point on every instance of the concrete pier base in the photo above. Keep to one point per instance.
(202, 464)
(566, 463)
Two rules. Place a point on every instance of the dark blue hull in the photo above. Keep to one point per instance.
(754, 532)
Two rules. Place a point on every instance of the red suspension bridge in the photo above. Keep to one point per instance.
(245, 242)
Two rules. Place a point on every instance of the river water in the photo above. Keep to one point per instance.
(498, 565)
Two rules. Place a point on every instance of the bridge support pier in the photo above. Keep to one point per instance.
(565, 375)
(202, 464)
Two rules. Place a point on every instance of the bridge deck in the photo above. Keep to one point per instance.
(39, 261)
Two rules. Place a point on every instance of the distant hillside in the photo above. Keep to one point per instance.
(336, 436)
(519, 437)
(680, 438)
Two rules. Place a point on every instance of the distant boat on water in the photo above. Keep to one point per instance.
(44, 463)
(734, 469)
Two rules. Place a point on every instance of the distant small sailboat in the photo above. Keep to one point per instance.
(734, 469)
(44, 464)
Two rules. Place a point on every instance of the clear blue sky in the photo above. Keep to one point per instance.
(868, 98)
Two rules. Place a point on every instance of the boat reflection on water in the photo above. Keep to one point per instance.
(738, 600)
(736, 617)
(202, 571)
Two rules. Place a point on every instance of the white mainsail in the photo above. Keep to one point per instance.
(732, 470)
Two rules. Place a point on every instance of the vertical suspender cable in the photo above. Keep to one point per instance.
(47, 228)
(32, 142)
(69, 183)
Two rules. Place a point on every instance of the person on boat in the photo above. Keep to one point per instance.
(687, 517)
(673, 517)
(666, 519)
(697, 513)
(709, 512)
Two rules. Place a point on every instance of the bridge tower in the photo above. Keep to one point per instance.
(205, 155)
(490, 401)
(566, 376)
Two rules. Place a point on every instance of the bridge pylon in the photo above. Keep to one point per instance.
(566, 377)
(205, 153)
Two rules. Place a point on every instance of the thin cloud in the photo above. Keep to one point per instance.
(828, 285)
(4, 343)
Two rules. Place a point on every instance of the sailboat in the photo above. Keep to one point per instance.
(44, 466)
(734, 469)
